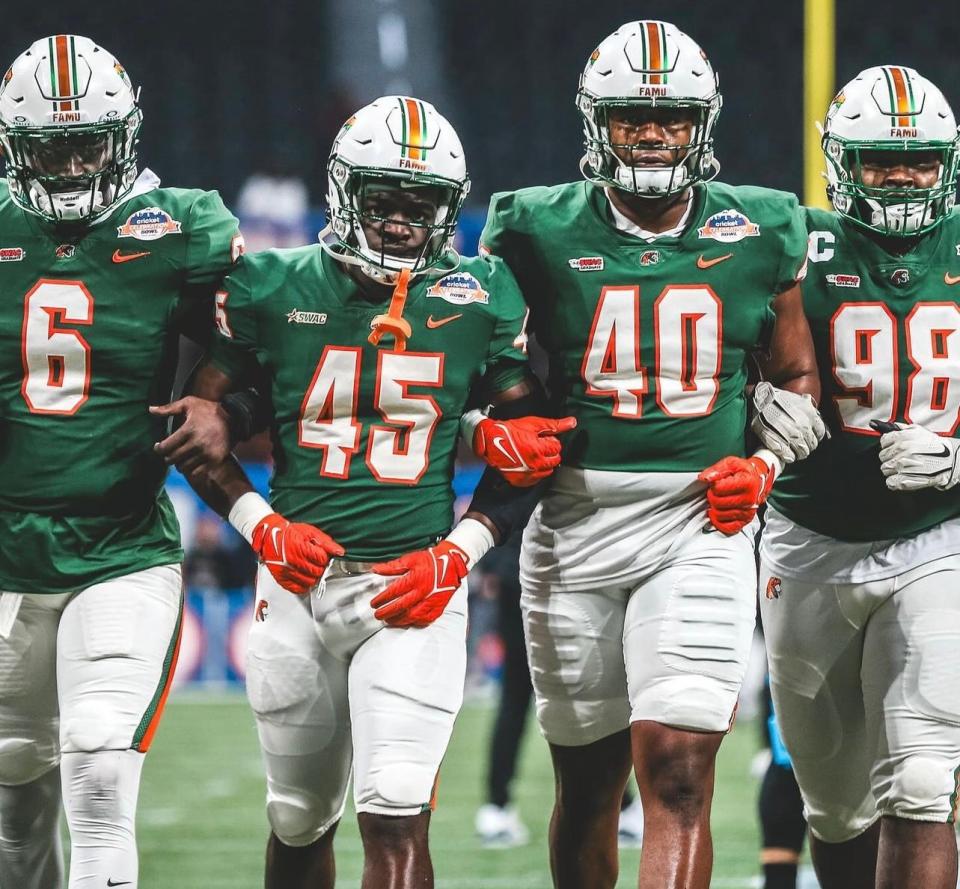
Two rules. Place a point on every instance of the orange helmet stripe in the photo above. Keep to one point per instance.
(904, 103)
(415, 131)
(656, 50)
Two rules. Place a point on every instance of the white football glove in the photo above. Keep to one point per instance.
(786, 423)
(913, 458)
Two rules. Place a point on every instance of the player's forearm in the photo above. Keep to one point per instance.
(220, 485)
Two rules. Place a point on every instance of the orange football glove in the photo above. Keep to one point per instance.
(525, 450)
(736, 488)
(296, 554)
(426, 581)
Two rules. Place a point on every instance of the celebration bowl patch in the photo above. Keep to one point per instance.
(12, 254)
(148, 225)
(459, 288)
(728, 227)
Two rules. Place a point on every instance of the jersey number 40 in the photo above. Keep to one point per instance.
(399, 450)
(688, 331)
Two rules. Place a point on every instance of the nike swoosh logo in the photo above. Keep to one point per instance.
(944, 453)
(439, 322)
(126, 257)
(707, 263)
(121, 883)
(275, 532)
(498, 444)
(950, 279)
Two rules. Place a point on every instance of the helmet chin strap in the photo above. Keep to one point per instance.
(393, 321)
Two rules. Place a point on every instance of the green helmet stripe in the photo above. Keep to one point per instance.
(73, 66)
(890, 90)
(643, 46)
(423, 131)
(913, 101)
(51, 52)
(665, 59)
(403, 129)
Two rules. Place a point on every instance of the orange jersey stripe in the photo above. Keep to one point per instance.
(415, 136)
(656, 51)
(903, 100)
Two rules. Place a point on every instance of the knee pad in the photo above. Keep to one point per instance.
(297, 818)
(25, 759)
(101, 787)
(398, 789)
(94, 725)
(920, 788)
(688, 702)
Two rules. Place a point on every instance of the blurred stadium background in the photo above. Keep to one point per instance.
(246, 98)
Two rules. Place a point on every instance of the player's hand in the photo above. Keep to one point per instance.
(736, 488)
(203, 437)
(426, 581)
(296, 554)
(913, 458)
(788, 424)
(525, 450)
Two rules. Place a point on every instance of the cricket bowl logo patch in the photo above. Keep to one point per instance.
(12, 254)
(728, 227)
(149, 225)
(459, 288)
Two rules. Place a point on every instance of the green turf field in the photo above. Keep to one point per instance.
(201, 823)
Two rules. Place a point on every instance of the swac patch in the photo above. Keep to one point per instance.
(587, 263)
(12, 254)
(295, 316)
(149, 224)
(844, 280)
(728, 227)
(459, 288)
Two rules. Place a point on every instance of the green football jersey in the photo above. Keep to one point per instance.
(365, 436)
(648, 342)
(887, 333)
(90, 325)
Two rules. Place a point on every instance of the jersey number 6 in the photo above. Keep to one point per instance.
(56, 360)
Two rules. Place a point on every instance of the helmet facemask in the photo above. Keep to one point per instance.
(72, 174)
(891, 211)
(694, 161)
(390, 220)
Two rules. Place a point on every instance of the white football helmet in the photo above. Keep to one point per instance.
(69, 122)
(890, 108)
(655, 65)
(395, 142)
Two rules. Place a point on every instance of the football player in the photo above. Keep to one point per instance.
(649, 287)
(100, 269)
(374, 341)
(860, 558)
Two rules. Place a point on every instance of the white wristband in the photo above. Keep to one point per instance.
(772, 460)
(468, 425)
(473, 537)
(249, 510)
